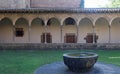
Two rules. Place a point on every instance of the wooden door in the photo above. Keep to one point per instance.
(89, 38)
(48, 38)
(70, 39)
(43, 38)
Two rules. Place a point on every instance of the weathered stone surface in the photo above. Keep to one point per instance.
(39, 3)
(55, 3)
(64, 46)
(14, 3)
(80, 62)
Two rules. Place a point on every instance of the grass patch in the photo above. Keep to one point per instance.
(26, 61)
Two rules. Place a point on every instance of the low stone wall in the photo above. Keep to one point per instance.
(37, 46)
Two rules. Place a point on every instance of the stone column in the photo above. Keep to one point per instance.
(45, 31)
(77, 33)
(13, 33)
(61, 30)
(29, 35)
(93, 34)
(109, 34)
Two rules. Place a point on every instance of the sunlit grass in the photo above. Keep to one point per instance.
(26, 61)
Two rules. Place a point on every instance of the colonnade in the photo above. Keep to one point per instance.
(107, 29)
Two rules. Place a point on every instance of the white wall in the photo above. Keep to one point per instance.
(85, 27)
(102, 30)
(54, 30)
(25, 38)
(12, 4)
(36, 32)
(55, 3)
(68, 29)
(6, 33)
(115, 30)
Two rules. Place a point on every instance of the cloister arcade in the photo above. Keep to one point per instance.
(59, 28)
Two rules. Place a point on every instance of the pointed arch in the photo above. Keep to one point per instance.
(115, 29)
(102, 19)
(86, 20)
(6, 30)
(85, 28)
(37, 29)
(102, 30)
(21, 20)
(38, 20)
(69, 21)
(69, 30)
(53, 21)
(53, 25)
(6, 20)
(21, 30)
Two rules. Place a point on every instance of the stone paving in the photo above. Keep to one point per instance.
(60, 68)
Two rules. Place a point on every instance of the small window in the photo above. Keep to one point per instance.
(19, 32)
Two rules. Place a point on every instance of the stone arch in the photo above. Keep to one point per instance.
(7, 19)
(22, 24)
(69, 29)
(53, 27)
(53, 21)
(112, 19)
(87, 17)
(69, 21)
(115, 29)
(37, 28)
(38, 21)
(6, 30)
(21, 20)
(103, 17)
(85, 28)
(102, 30)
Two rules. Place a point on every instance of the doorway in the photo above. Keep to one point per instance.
(70, 38)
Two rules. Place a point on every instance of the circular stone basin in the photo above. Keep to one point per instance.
(80, 62)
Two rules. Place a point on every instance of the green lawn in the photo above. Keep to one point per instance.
(25, 62)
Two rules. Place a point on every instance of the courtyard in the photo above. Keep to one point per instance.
(27, 61)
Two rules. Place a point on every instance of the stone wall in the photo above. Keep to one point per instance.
(39, 3)
(14, 3)
(57, 46)
(55, 3)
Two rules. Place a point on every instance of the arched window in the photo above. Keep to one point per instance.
(52, 21)
(69, 21)
(38, 21)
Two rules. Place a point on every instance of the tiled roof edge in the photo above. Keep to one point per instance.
(61, 10)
